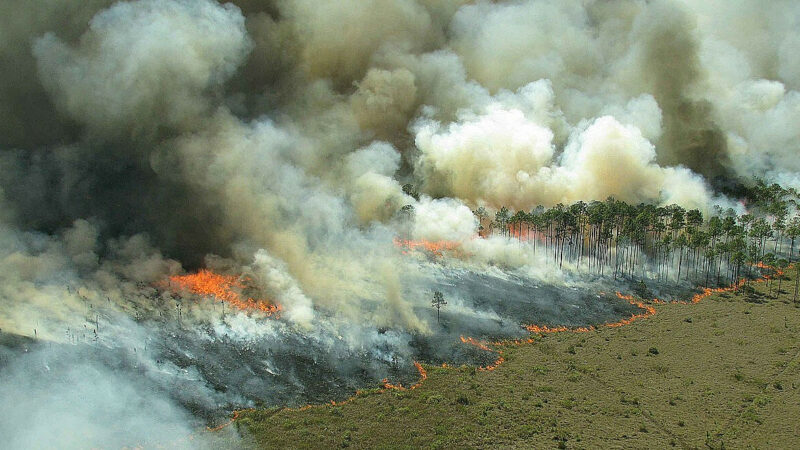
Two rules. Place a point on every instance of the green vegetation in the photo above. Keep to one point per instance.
(724, 373)
(625, 240)
(721, 373)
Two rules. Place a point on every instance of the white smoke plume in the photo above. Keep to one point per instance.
(144, 64)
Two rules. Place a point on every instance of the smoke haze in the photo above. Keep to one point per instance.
(272, 139)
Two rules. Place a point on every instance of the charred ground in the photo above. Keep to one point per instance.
(720, 373)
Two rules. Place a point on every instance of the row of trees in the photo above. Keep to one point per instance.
(662, 242)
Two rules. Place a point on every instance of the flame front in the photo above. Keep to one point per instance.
(647, 312)
(435, 247)
(423, 375)
(484, 346)
(541, 329)
(476, 343)
(525, 235)
(224, 287)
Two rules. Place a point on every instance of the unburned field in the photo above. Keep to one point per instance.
(721, 373)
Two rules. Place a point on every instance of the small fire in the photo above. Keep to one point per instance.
(541, 329)
(513, 342)
(224, 287)
(386, 386)
(484, 346)
(647, 312)
(476, 343)
(234, 418)
(423, 375)
(775, 270)
(696, 298)
(650, 311)
(434, 247)
(496, 364)
(525, 234)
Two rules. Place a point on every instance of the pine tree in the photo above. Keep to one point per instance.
(437, 302)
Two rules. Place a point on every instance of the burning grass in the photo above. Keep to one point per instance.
(723, 371)
(436, 248)
(226, 288)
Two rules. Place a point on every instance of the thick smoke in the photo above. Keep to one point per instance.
(83, 402)
(273, 139)
(503, 156)
(143, 65)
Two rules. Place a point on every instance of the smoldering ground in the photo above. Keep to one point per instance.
(140, 139)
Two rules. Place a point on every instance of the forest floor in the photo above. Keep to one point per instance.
(723, 373)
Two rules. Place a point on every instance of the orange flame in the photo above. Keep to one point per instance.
(524, 235)
(494, 365)
(483, 346)
(386, 386)
(423, 375)
(648, 311)
(513, 342)
(475, 342)
(224, 287)
(232, 419)
(434, 247)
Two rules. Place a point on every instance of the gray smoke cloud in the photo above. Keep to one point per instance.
(143, 65)
(142, 139)
(80, 404)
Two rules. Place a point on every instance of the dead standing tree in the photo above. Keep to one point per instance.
(437, 302)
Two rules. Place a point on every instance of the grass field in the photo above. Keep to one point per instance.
(724, 373)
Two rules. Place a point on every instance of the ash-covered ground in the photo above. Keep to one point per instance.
(217, 361)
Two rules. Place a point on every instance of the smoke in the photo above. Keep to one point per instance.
(443, 220)
(273, 140)
(274, 276)
(378, 25)
(384, 101)
(67, 403)
(505, 157)
(597, 55)
(143, 65)
(374, 193)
